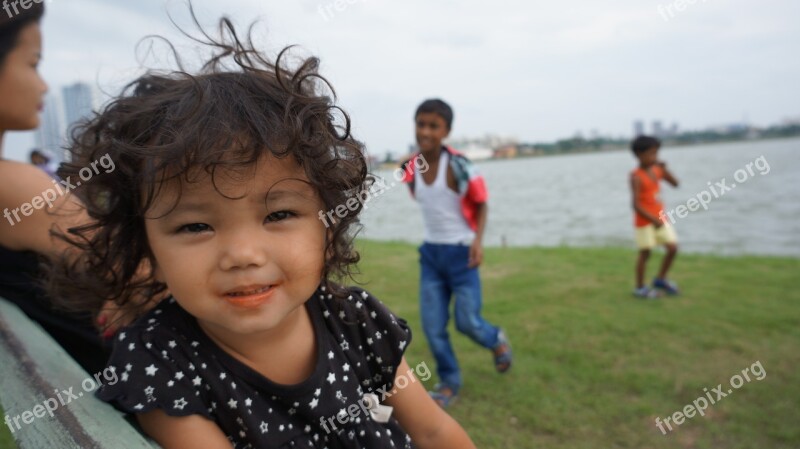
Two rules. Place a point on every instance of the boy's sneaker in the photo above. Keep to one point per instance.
(502, 353)
(667, 286)
(646, 293)
(444, 395)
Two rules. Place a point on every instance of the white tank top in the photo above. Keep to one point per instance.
(441, 208)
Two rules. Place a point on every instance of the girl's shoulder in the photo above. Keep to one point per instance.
(365, 330)
(157, 361)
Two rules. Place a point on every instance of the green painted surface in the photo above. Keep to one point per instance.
(32, 367)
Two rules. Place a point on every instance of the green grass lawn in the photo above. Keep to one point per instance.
(594, 367)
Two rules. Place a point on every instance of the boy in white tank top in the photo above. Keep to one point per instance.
(453, 199)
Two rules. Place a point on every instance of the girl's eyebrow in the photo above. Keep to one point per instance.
(198, 205)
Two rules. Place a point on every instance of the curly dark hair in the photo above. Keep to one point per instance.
(236, 109)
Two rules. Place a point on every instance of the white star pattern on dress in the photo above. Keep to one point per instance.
(376, 345)
(131, 346)
(122, 336)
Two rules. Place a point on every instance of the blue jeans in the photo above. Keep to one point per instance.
(444, 273)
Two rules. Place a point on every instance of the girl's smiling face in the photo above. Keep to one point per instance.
(240, 252)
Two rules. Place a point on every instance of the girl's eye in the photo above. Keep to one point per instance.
(194, 228)
(280, 215)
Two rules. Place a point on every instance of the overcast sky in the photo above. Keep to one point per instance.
(534, 70)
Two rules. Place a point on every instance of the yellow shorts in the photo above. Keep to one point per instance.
(647, 237)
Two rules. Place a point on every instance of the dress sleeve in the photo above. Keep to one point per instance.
(154, 372)
(385, 337)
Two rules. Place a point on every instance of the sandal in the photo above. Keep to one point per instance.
(444, 395)
(669, 287)
(502, 353)
(646, 293)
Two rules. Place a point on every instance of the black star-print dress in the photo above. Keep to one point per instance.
(166, 361)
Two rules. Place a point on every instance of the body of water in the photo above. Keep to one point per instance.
(585, 200)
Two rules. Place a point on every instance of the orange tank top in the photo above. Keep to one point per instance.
(649, 193)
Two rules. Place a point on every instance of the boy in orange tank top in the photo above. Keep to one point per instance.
(651, 228)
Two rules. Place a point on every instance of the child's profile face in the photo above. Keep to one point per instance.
(648, 157)
(431, 130)
(244, 264)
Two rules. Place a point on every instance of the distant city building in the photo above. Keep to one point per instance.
(658, 128)
(638, 128)
(50, 132)
(78, 103)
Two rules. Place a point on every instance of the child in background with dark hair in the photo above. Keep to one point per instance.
(453, 199)
(220, 178)
(651, 227)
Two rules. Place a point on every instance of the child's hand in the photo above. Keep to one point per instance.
(475, 254)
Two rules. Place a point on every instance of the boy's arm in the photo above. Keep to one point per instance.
(184, 432)
(635, 187)
(476, 250)
(668, 176)
(425, 422)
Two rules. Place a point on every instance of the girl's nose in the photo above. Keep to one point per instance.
(240, 252)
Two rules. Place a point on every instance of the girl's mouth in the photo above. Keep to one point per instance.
(249, 297)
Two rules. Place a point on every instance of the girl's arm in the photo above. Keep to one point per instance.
(33, 192)
(426, 423)
(185, 432)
